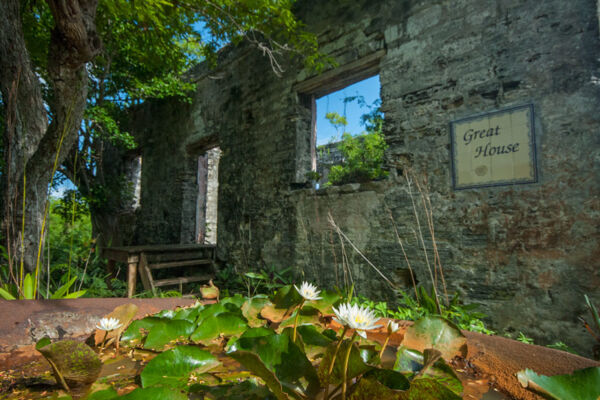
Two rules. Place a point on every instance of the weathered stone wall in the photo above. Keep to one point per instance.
(528, 253)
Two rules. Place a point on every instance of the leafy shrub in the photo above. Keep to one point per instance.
(464, 316)
(362, 153)
(363, 159)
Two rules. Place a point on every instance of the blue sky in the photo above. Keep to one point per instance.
(369, 89)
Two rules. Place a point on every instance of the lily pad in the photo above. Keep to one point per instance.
(173, 367)
(328, 300)
(238, 300)
(380, 384)
(427, 389)
(435, 332)
(253, 362)
(286, 297)
(138, 330)
(167, 331)
(216, 309)
(430, 365)
(246, 390)
(225, 324)
(308, 316)
(155, 393)
(106, 394)
(251, 310)
(583, 384)
(283, 360)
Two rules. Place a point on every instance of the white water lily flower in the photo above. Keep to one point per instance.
(358, 318)
(308, 291)
(109, 324)
(392, 327)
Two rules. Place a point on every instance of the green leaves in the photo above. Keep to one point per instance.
(583, 384)
(173, 367)
(166, 331)
(437, 333)
(428, 365)
(226, 324)
(155, 393)
(278, 361)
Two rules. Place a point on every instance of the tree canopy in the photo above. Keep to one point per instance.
(70, 69)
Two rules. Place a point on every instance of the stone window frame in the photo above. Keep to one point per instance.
(328, 82)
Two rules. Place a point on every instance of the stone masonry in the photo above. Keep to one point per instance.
(528, 253)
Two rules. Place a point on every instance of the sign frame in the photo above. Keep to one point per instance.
(532, 148)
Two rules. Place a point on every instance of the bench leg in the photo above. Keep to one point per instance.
(131, 279)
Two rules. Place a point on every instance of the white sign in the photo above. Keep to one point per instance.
(496, 148)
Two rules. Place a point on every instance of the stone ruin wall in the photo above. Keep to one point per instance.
(527, 253)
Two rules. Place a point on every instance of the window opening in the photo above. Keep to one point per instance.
(208, 196)
(134, 177)
(349, 141)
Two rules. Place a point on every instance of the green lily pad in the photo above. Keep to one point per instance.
(188, 314)
(167, 331)
(435, 332)
(106, 394)
(389, 378)
(216, 309)
(155, 393)
(583, 384)
(245, 390)
(427, 389)
(412, 362)
(138, 330)
(238, 300)
(308, 316)
(283, 360)
(286, 297)
(253, 362)
(225, 324)
(251, 310)
(328, 300)
(380, 384)
(173, 367)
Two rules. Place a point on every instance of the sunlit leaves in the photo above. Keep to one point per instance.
(583, 384)
(224, 324)
(438, 333)
(276, 356)
(173, 367)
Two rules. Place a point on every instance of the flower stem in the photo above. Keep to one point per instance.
(103, 341)
(337, 349)
(296, 321)
(346, 359)
(387, 339)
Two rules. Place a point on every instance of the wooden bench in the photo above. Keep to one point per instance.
(147, 259)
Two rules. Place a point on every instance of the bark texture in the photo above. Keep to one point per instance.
(33, 146)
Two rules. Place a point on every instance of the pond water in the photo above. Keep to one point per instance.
(34, 380)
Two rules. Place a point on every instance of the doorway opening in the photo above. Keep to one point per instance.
(208, 196)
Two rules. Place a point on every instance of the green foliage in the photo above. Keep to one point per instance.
(363, 154)
(10, 291)
(562, 346)
(524, 338)
(263, 281)
(583, 384)
(290, 369)
(71, 250)
(464, 316)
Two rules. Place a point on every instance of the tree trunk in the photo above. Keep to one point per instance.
(33, 150)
